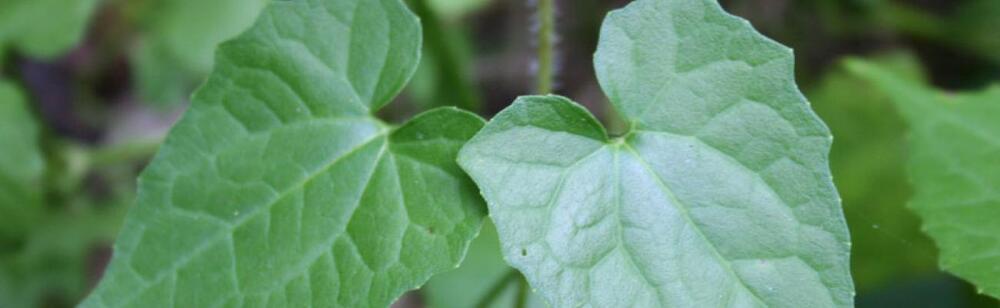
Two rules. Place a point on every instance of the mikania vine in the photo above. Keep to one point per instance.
(281, 187)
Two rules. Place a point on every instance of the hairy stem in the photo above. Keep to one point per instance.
(546, 42)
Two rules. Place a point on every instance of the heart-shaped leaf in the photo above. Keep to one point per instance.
(279, 187)
(720, 195)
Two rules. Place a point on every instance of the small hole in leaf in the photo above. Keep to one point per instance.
(430, 230)
(524, 252)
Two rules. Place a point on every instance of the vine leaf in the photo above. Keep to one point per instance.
(954, 166)
(720, 194)
(63, 26)
(279, 187)
(22, 164)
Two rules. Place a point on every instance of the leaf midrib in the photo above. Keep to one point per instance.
(613, 145)
(199, 249)
(627, 146)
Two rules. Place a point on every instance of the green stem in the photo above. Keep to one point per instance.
(451, 69)
(522, 293)
(546, 42)
(498, 288)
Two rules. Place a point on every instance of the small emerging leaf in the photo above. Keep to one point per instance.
(280, 188)
(954, 166)
(719, 196)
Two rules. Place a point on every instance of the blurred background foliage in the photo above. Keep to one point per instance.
(89, 87)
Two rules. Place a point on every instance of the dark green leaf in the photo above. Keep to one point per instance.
(719, 195)
(280, 188)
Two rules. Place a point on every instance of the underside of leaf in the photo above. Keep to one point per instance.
(720, 195)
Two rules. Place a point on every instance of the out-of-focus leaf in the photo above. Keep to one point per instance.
(719, 195)
(159, 80)
(865, 158)
(481, 271)
(22, 164)
(43, 28)
(178, 39)
(954, 166)
(280, 187)
(53, 262)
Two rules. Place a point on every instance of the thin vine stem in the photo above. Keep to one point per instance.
(546, 46)
(522, 293)
(501, 285)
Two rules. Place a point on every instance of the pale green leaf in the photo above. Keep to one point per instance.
(280, 188)
(954, 166)
(22, 164)
(44, 28)
(719, 195)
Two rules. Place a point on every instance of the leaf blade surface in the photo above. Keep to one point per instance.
(720, 194)
(280, 187)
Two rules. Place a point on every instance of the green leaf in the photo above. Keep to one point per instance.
(178, 39)
(954, 166)
(719, 195)
(888, 244)
(53, 265)
(279, 187)
(22, 165)
(44, 28)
